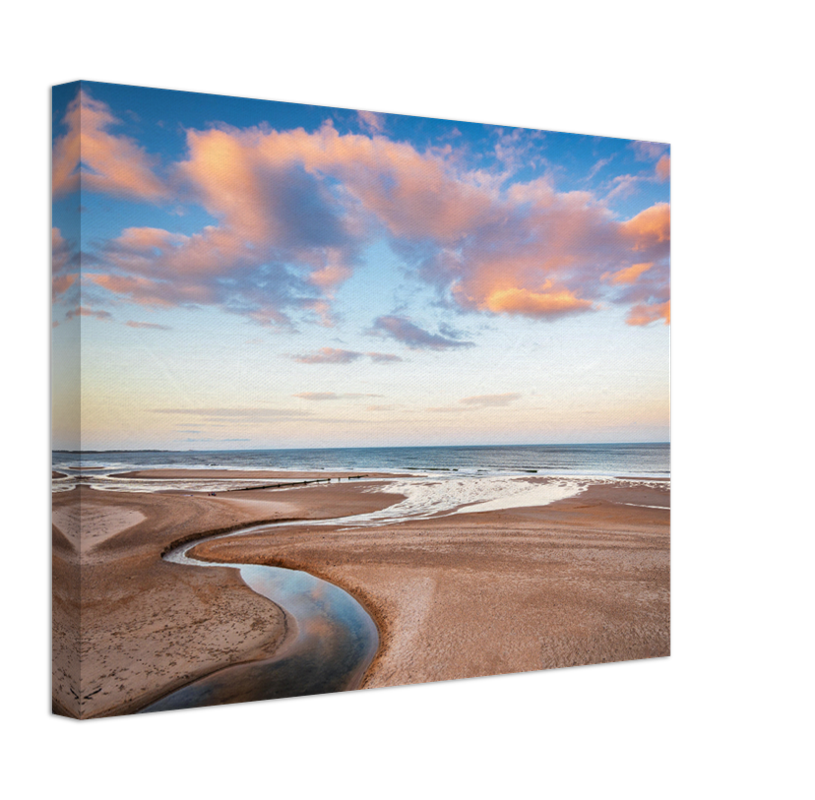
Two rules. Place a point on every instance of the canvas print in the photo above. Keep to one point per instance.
(346, 400)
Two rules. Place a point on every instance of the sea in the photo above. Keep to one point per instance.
(620, 460)
(432, 479)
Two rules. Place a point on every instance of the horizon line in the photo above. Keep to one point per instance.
(378, 447)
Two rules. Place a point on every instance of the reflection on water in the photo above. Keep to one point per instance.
(330, 643)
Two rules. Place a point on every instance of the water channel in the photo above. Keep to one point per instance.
(330, 642)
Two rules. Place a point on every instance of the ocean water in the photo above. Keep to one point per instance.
(432, 481)
(641, 460)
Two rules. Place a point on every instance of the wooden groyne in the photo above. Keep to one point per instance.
(291, 484)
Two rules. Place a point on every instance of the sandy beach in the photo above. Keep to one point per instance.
(583, 580)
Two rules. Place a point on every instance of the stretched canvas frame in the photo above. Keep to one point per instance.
(118, 170)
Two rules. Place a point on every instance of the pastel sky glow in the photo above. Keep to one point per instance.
(248, 274)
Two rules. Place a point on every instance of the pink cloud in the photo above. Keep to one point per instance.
(649, 151)
(147, 325)
(329, 355)
(115, 164)
(84, 311)
(383, 358)
(147, 292)
(416, 196)
(330, 275)
(491, 400)
(650, 225)
(332, 355)
(146, 241)
(547, 255)
(535, 304)
(644, 313)
(663, 168)
(650, 229)
(320, 396)
(629, 274)
(371, 121)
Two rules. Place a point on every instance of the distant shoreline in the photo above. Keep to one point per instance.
(100, 452)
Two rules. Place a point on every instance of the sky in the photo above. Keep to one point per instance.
(240, 274)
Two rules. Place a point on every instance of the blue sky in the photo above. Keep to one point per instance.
(257, 274)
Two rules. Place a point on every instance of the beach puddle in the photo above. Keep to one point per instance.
(330, 643)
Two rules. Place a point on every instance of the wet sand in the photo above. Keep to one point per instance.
(584, 580)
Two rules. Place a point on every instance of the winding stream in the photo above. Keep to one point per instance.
(330, 642)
